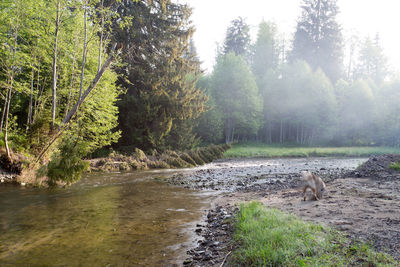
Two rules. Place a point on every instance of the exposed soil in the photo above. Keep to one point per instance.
(364, 203)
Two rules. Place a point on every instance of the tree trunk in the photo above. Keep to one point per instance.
(84, 52)
(228, 131)
(75, 108)
(6, 116)
(54, 84)
(3, 113)
(92, 85)
(71, 86)
(37, 95)
(101, 36)
(29, 119)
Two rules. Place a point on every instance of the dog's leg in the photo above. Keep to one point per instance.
(315, 194)
(304, 192)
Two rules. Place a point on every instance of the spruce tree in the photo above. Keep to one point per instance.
(318, 38)
(237, 38)
(159, 74)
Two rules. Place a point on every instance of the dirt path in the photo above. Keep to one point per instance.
(364, 208)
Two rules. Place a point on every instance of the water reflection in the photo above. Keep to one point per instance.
(113, 219)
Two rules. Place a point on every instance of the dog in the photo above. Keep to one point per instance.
(314, 182)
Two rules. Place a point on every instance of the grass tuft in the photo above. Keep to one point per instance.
(394, 166)
(269, 237)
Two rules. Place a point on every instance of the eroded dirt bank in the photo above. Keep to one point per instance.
(363, 203)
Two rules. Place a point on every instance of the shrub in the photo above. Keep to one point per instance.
(394, 166)
(139, 154)
(67, 165)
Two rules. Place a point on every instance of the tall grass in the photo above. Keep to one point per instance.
(263, 150)
(268, 237)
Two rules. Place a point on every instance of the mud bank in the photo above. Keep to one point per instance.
(364, 208)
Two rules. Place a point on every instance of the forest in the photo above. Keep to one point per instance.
(80, 77)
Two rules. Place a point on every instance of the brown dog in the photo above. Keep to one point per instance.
(313, 182)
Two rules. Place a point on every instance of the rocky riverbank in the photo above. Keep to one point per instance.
(363, 200)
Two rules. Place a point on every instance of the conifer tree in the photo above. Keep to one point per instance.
(160, 74)
(318, 38)
(237, 38)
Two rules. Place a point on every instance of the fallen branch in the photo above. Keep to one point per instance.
(226, 256)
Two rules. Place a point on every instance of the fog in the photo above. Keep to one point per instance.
(320, 87)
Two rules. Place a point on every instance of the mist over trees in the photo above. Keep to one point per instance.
(318, 37)
(307, 98)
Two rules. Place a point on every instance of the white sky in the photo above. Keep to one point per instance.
(211, 18)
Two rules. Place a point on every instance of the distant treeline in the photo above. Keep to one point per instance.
(307, 95)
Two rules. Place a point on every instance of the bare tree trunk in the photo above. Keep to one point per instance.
(101, 36)
(71, 86)
(84, 52)
(281, 133)
(37, 95)
(3, 113)
(29, 119)
(54, 84)
(6, 116)
(228, 129)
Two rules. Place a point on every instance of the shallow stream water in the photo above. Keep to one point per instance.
(120, 219)
(126, 219)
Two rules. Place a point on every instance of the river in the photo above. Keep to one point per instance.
(117, 219)
(120, 219)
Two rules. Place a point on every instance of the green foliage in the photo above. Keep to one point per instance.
(237, 38)
(318, 38)
(210, 126)
(160, 74)
(265, 55)
(394, 166)
(268, 237)
(236, 95)
(290, 150)
(66, 164)
(372, 62)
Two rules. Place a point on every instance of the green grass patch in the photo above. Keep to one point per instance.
(270, 151)
(394, 166)
(268, 237)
